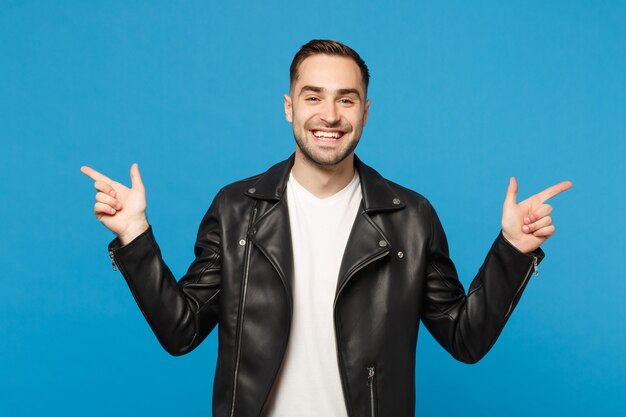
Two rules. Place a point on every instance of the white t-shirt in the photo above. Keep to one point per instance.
(308, 383)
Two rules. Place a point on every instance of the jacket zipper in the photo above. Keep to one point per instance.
(533, 268)
(357, 269)
(241, 308)
(370, 383)
(112, 255)
(338, 349)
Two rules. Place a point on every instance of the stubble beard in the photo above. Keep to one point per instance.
(319, 158)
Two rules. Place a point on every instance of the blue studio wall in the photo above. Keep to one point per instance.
(464, 94)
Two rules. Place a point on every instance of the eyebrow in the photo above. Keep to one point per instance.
(341, 91)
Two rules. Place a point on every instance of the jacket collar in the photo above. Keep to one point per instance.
(377, 195)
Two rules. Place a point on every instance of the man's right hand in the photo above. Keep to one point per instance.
(121, 209)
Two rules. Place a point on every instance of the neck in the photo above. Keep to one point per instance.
(322, 181)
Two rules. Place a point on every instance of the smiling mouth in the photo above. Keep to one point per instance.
(326, 135)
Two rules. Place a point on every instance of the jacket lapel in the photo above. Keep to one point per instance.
(271, 233)
(367, 243)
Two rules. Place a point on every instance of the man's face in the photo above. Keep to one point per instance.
(327, 108)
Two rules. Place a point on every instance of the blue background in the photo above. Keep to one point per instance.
(464, 94)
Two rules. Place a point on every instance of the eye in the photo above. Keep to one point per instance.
(346, 101)
(312, 99)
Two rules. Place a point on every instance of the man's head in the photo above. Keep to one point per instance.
(331, 48)
(327, 102)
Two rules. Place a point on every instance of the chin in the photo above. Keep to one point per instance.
(326, 159)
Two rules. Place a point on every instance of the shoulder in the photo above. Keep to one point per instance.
(409, 196)
(380, 191)
(268, 185)
(231, 203)
(417, 206)
(238, 189)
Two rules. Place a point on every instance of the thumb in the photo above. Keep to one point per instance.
(135, 177)
(511, 193)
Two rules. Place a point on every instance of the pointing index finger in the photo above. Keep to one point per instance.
(95, 175)
(550, 192)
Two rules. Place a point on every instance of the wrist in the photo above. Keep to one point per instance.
(520, 246)
(132, 232)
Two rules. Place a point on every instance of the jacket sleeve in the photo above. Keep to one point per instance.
(181, 314)
(467, 326)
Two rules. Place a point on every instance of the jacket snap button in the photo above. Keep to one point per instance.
(382, 243)
(242, 242)
(396, 201)
(400, 254)
(252, 190)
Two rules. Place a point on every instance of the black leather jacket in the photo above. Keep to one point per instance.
(395, 272)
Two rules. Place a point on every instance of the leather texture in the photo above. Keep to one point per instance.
(395, 272)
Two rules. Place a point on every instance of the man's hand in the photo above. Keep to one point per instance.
(526, 225)
(121, 209)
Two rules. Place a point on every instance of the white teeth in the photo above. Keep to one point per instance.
(331, 135)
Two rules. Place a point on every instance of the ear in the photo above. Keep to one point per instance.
(288, 108)
(367, 111)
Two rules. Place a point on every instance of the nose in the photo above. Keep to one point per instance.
(329, 114)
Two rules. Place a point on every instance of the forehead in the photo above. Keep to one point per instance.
(329, 72)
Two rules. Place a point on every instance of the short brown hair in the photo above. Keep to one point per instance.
(327, 47)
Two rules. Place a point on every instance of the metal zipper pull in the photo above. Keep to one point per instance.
(370, 376)
(370, 385)
(113, 264)
(535, 268)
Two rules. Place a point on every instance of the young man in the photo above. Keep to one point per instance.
(319, 270)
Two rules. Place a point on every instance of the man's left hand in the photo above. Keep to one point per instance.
(526, 225)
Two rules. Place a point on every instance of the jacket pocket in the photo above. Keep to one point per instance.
(371, 391)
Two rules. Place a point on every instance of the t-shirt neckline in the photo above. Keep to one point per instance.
(301, 189)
